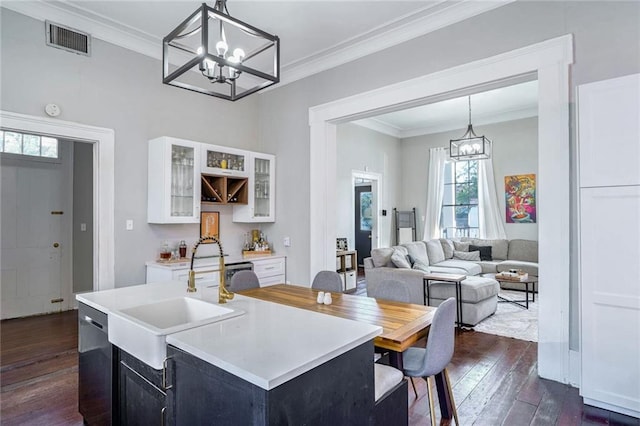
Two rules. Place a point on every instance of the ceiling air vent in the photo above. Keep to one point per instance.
(68, 39)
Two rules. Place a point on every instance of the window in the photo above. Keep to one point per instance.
(459, 217)
(26, 144)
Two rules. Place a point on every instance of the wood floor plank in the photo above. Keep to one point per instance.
(520, 413)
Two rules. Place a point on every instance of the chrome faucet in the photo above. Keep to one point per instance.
(223, 293)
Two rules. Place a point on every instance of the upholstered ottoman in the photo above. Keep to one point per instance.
(479, 297)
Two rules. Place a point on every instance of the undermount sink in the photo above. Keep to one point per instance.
(142, 330)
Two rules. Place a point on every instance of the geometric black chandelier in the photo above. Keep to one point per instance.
(470, 146)
(218, 55)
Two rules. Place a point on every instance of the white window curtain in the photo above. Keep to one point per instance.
(490, 221)
(435, 193)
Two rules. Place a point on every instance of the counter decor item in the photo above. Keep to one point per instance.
(210, 225)
(259, 246)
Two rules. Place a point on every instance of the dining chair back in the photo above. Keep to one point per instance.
(244, 280)
(393, 290)
(434, 358)
(327, 281)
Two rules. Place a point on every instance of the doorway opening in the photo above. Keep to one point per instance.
(549, 61)
(97, 145)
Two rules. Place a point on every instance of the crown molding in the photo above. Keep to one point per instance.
(445, 126)
(410, 26)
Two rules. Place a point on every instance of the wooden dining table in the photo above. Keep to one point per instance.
(403, 324)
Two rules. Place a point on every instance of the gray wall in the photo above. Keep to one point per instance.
(360, 148)
(515, 151)
(122, 90)
(606, 45)
(82, 213)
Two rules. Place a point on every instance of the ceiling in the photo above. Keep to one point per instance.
(315, 35)
(492, 106)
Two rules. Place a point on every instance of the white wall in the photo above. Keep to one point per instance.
(361, 149)
(122, 90)
(515, 151)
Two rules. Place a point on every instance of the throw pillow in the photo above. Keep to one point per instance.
(420, 265)
(467, 255)
(400, 259)
(461, 245)
(447, 247)
(485, 251)
(435, 252)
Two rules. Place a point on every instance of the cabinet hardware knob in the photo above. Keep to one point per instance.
(56, 245)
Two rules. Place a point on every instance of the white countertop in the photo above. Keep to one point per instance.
(267, 346)
(228, 260)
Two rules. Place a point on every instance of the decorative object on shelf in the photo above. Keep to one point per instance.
(235, 58)
(182, 248)
(209, 225)
(341, 244)
(470, 146)
(520, 198)
(259, 246)
(165, 252)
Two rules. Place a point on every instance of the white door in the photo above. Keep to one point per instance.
(35, 220)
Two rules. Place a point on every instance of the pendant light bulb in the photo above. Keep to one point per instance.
(239, 53)
(221, 48)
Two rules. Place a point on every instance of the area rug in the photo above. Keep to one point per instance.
(511, 320)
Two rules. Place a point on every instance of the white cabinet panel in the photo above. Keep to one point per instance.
(610, 297)
(609, 132)
(173, 194)
(262, 184)
(270, 271)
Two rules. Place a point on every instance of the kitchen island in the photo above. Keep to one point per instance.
(272, 364)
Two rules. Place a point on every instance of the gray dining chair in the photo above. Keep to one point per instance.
(244, 280)
(393, 290)
(434, 358)
(327, 281)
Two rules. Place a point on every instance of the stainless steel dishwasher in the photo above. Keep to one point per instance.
(95, 367)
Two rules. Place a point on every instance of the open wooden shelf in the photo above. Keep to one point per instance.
(224, 189)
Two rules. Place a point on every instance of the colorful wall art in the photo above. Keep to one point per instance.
(520, 198)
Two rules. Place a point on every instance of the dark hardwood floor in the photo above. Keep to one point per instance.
(494, 380)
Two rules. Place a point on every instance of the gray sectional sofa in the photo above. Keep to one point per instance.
(409, 262)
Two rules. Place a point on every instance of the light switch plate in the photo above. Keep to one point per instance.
(129, 224)
(287, 242)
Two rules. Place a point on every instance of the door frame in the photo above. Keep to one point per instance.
(375, 179)
(550, 61)
(103, 140)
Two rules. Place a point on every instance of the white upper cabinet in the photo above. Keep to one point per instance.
(222, 160)
(173, 181)
(609, 132)
(261, 203)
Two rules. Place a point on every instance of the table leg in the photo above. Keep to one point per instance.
(395, 360)
(526, 294)
(459, 302)
(443, 396)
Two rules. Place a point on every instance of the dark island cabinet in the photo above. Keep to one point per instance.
(142, 397)
(339, 391)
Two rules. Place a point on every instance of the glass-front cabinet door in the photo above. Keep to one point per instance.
(174, 181)
(261, 205)
(222, 160)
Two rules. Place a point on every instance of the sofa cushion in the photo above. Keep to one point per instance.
(447, 270)
(417, 250)
(447, 247)
(474, 289)
(421, 266)
(530, 268)
(470, 268)
(382, 257)
(467, 255)
(499, 247)
(400, 258)
(489, 267)
(526, 250)
(434, 252)
(485, 251)
(461, 245)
